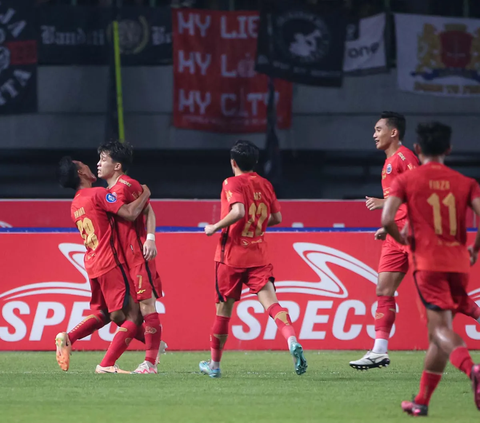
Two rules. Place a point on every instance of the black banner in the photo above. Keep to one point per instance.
(297, 43)
(77, 35)
(18, 57)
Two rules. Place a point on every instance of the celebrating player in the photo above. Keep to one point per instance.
(103, 262)
(248, 206)
(138, 245)
(388, 135)
(437, 198)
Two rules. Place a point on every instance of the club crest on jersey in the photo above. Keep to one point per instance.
(389, 169)
(111, 197)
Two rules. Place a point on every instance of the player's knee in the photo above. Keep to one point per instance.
(117, 317)
(385, 290)
(134, 316)
(225, 309)
(147, 307)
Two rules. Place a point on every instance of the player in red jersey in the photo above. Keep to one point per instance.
(248, 206)
(393, 265)
(138, 242)
(437, 198)
(389, 133)
(104, 262)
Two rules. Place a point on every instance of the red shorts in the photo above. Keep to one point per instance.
(443, 290)
(394, 257)
(230, 280)
(147, 281)
(111, 290)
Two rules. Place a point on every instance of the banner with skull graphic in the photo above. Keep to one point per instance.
(83, 35)
(297, 43)
(18, 58)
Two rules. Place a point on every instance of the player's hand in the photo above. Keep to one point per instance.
(374, 203)
(149, 250)
(210, 230)
(473, 255)
(381, 234)
(145, 189)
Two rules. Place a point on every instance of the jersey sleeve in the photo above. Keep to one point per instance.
(407, 162)
(109, 201)
(121, 193)
(233, 192)
(275, 205)
(398, 188)
(474, 191)
(135, 190)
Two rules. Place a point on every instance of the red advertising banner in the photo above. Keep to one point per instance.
(215, 85)
(326, 280)
(194, 213)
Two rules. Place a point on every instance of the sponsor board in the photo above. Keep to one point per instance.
(296, 213)
(326, 280)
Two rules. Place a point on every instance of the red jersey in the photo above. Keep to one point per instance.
(400, 162)
(132, 234)
(243, 243)
(89, 211)
(437, 198)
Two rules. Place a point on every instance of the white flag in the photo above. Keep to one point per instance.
(438, 55)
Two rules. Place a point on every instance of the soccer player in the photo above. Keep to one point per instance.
(138, 242)
(104, 262)
(437, 198)
(248, 206)
(389, 133)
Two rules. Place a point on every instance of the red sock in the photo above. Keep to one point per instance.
(140, 335)
(472, 309)
(282, 320)
(219, 337)
(460, 358)
(87, 326)
(153, 335)
(428, 383)
(385, 316)
(119, 344)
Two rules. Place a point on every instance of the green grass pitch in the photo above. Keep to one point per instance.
(255, 387)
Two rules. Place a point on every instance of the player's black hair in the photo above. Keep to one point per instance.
(397, 121)
(119, 152)
(245, 154)
(67, 173)
(434, 138)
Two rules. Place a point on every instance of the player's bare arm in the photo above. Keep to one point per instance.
(475, 248)
(131, 211)
(149, 248)
(373, 203)
(388, 219)
(237, 212)
(274, 219)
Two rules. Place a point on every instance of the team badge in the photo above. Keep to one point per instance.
(111, 197)
(389, 169)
